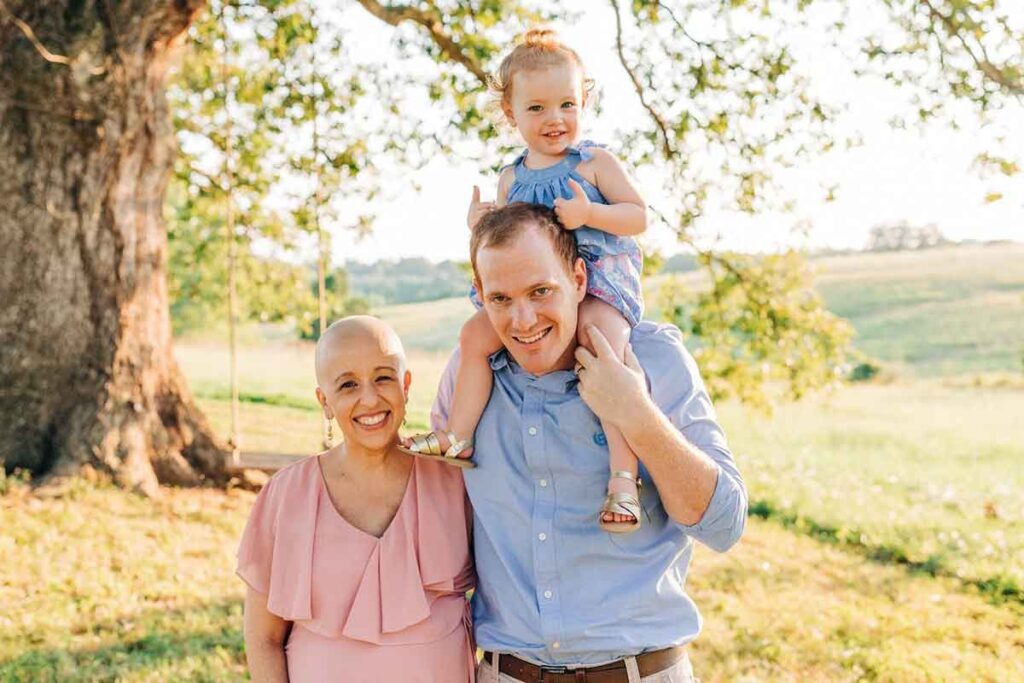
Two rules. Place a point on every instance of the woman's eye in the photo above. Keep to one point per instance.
(384, 378)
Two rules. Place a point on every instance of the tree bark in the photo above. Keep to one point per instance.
(86, 146)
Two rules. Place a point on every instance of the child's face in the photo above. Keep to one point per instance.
(545, 107)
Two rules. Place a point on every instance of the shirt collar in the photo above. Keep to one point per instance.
(556, 382)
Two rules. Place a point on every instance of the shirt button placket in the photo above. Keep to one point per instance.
(545, 570)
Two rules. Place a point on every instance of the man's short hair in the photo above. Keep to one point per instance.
(504, 225)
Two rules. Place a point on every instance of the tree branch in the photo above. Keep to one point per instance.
(396, 14)
(666, 143)
(982, 61)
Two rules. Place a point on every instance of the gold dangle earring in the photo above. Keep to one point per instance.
(329, 437)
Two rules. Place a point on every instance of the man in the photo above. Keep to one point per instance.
(558, 599)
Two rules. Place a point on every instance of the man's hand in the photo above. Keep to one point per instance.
(477, 208)
(612, 389)
(576, 211)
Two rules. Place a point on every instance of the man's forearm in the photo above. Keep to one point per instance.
(685, 476)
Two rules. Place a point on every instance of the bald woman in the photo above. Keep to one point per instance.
(357, 559)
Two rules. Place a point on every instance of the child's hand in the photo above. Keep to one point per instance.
(477, 208)
(576, 211)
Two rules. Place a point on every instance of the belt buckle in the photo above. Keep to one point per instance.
(544, 670)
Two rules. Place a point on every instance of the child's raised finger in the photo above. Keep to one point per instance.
(599, 342)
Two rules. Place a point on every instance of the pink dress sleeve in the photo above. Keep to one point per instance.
(276, 551)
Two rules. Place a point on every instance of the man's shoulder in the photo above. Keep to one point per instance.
(658, 343)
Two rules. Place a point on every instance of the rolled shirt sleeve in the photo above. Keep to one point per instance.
(678, 390)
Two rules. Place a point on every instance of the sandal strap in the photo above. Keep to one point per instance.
(455, 446)
(623, 504)
(427, 444)
(625, 474)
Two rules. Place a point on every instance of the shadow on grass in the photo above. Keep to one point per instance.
(998, 589)
(203, 642)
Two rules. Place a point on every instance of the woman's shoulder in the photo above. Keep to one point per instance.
(294, 479)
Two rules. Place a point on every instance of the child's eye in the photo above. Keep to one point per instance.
(534, 107)
(568, 105)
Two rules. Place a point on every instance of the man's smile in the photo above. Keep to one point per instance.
(533, 338)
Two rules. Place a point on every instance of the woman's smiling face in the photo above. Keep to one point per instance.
(364, 385)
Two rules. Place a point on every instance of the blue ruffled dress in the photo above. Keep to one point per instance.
(614, 263)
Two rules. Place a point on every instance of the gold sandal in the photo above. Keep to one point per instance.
(429, 446)
(621, 504)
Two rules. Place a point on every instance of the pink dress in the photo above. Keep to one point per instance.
(364, 608)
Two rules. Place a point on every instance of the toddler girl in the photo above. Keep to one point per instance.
(543, 88)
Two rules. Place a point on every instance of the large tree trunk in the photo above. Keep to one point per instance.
(86, 371)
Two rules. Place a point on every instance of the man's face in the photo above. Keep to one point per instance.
(532, 301)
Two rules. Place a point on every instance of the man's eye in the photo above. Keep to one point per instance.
(347, 385)
(498, 299)
(542, 291)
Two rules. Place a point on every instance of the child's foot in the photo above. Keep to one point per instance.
(621, 511)
(439, 443)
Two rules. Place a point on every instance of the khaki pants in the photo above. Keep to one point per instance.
(680, 672)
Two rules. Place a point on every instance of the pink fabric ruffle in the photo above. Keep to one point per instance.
(408, 588)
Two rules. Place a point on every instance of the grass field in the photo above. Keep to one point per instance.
(146, 592)
(887, 538)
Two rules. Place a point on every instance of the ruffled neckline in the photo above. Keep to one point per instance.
(412, 586)
(574, 154)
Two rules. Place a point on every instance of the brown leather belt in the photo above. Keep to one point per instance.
(649, 664)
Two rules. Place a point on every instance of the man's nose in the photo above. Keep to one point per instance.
(523, 316)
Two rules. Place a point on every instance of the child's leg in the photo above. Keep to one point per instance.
(477, 341)
(616, 329)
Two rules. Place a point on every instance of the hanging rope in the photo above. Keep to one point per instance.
(233, 440)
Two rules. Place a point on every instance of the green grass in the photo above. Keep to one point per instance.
(925, 475)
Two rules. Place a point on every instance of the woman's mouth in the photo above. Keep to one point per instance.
(372, 420)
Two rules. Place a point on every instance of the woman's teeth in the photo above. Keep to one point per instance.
(371, 420)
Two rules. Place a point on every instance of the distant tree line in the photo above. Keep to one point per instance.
(407, 280)
(902, 236)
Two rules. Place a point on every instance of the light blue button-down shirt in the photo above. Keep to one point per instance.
(552, 587)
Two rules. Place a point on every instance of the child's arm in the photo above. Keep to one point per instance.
(508, 174)
(624, 215)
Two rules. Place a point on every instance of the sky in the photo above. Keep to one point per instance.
(921, 177)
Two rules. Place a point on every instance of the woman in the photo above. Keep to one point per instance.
(357, 559)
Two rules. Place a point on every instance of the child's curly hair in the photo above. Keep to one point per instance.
(540, 48)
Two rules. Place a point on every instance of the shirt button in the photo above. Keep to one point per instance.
(542, 536)
(543, 483)
(547, 594)
(532, 431)
(555, 645)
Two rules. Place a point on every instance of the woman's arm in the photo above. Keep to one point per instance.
(265, 636)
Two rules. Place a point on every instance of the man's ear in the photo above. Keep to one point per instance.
(579, 278)
(479, 288)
